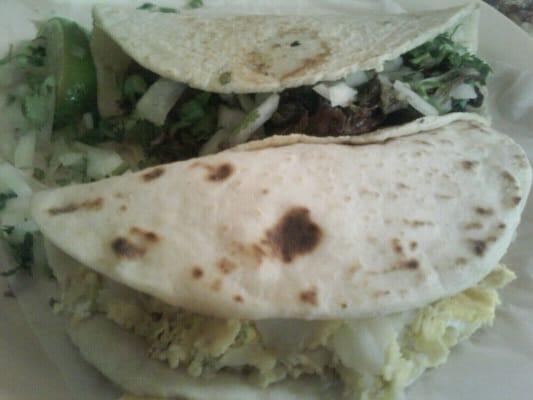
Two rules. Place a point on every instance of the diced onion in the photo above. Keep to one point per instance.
(338, 94)
(70, 158)
(229, 118)
(264, 112)
(102, 162)
(13, 179)
(417, 102)
(357, 78)
(88, 121)
(247, 126)
(159, 100)
(393, 65)
(463, 91)
(25, 150)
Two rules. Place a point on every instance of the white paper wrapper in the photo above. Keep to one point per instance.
(38, 362)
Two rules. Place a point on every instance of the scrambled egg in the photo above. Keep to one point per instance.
(376, 358)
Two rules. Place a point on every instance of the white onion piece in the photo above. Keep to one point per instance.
(417, 102)
(463, 91)
(25, 151)
(356, 78)
(362, 344)
(338, 94)
(13, 179)
(158, 100)
(102, 163)
(241, 133)
(229, 118)
(257, 117)
(393, 65)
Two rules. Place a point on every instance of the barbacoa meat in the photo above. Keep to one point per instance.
(302, 110)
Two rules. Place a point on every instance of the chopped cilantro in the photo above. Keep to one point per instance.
(10, 99)
(445, 64)
(38, 174)
(152, 7)
(225, 78)
(23, 254)
(147, 6)
(168, 10)
(4, 197)
(193, 110)
(195, 3)
(7, 229)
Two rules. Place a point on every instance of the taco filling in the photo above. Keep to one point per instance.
(178, 122)
(374, 358)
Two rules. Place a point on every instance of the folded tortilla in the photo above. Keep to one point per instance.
(314, 270)
(341, 75)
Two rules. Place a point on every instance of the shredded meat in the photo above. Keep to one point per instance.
(302, 110)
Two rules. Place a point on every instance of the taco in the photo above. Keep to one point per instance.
(291, 269)
(192, 84)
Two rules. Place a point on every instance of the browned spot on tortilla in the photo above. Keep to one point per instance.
(409, 264)
(381, 293)
(484, 211)
(402, 185)
(147, 235)
(123, 207)
(197, 272)
(217, 284)
(220, 172)
(153, 174)
(352, 269)
(258, 253)
(478, 246)
(119, 195)
(508, 177)
(468, 165)
(491, 239)
(216, 173)
(397, 246)
(225, 266)
(293, 235)
(460, 261)
(309, 297)
(425, 143)
(238, 298)
(416, 223)
(413, 245)
(372, 239)
(344, 305)
(516, 200)
(123, 248)
(264, 191)
(473, 225)
(92, 205)
(502, 225)
(310, 62)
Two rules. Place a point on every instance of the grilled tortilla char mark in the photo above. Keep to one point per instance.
(295, 234)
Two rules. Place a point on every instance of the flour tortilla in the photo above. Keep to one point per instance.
(305, 230)
(121, 357)
(255, 51)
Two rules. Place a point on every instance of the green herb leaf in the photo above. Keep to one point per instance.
(195, 4)
(23, 254)
(153, 8)
(4, 197)
(38, 174)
